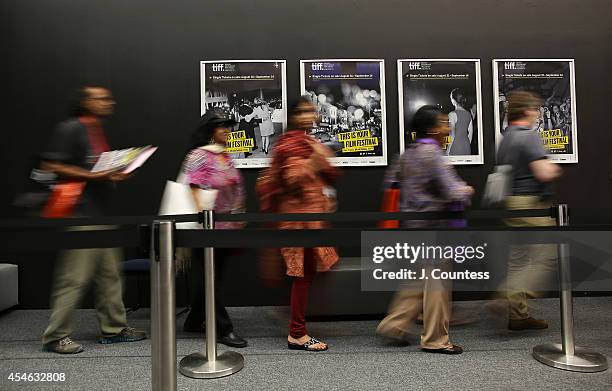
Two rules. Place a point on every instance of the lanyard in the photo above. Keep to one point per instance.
(95, 133)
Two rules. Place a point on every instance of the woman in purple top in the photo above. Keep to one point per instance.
(427, 183)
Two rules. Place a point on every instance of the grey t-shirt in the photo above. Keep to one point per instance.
(521, 146)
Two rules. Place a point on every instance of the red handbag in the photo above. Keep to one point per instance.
(63, 199)
(65, 195)
(390, 203)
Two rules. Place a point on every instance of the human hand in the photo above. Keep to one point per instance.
(119, 176)
(469, 190)
(102, 175)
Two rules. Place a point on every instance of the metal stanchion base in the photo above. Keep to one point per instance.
(197, 366)
(582, 360)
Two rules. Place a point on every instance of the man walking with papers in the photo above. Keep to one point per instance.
(73, 151)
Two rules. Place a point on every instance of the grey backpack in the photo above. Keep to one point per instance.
(498, 187)
(499, 182)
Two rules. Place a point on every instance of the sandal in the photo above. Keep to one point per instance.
(455, 349)
(307, 346)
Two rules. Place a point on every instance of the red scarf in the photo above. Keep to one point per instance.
(95, 133)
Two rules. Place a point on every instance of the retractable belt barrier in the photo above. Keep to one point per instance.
(19, 235)
(493, 214)
(159, 235)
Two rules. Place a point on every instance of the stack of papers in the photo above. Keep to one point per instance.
(127, 159)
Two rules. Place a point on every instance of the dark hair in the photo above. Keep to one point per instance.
(293, 109)
(425, 118)
(459, 96)
(521, 101)
(77, 97)
(202, 134)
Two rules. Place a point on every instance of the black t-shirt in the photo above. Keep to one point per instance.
(70, 145)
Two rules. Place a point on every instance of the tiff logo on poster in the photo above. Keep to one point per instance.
(414, 66)
(514, 66)
(223, 67)
(322, 66)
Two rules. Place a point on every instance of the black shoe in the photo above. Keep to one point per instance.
(233, 340)
(455, 349)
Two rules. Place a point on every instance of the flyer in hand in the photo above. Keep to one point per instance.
(128, 159)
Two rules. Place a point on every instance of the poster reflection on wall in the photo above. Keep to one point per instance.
(254, 93)
(350, 99)
(553, 81)
(453, 85)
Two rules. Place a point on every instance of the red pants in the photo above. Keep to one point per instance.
(299, 296)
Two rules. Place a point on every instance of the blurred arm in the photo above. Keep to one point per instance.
(298, 171)
(470, 130)
(77, 173)
(544, 170)
(451, 186)
(452, 122)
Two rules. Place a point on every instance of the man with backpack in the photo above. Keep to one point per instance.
(532, 175)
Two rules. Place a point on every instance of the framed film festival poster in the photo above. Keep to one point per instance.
(350, 100)
(454, 86)
(553, 81)
(254, 93)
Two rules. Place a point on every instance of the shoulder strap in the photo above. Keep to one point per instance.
(509, 146)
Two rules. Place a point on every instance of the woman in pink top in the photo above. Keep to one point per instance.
(208, 167)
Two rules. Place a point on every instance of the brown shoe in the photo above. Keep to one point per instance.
(527, 324)
(63, 346)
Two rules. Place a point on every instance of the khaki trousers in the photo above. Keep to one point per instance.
(529, 266)
(432, 298)
(75, 270)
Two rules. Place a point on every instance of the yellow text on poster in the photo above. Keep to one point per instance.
(554, 140)
(357, 141)
(238, 142)
(445, 143)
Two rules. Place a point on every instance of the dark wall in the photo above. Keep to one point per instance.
(148, 53)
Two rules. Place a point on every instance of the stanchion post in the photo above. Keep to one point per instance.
(566, 355)
(163, 303)
(209, 364)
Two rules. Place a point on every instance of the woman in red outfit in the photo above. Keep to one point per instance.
(299, 181)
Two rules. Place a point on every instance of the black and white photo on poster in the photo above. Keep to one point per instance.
(350, 100)
(453, 85)
(553, 81)
(253, 92)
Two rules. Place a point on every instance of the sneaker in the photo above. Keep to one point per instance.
(128, 334)
(63, 346)
(527, 324)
